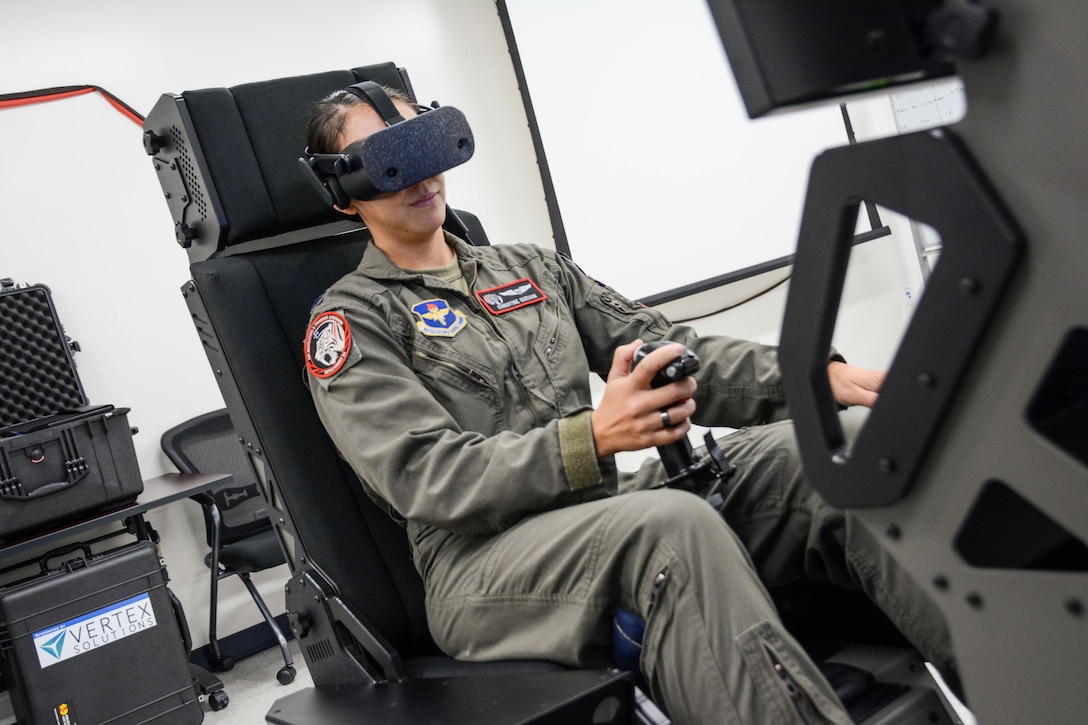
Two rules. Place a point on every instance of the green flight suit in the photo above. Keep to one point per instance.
(467, 417)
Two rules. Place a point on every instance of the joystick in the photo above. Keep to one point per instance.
(684, 470)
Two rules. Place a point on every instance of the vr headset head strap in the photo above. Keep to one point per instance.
(378, 99)
(324, 170)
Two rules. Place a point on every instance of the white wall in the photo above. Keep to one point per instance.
(648, 142)
(875, 307)
(81, 209)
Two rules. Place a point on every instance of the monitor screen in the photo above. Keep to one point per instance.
(786, 53)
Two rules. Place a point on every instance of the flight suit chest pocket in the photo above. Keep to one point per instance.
(542, 327)
(525, 315)
(467, 389)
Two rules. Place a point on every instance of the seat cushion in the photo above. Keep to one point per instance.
(255, 553)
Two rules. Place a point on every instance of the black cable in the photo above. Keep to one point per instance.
(735, 305)
(26, 98)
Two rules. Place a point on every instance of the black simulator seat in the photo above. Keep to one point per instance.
(262, 248)
(239, 533)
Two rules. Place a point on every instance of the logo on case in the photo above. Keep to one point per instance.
(55, 646)
(90, 631)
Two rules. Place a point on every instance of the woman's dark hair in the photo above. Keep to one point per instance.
(326, 118)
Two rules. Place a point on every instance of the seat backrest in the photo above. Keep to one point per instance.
(227, 159)
(236, 152)
(209, 444)
(258, 307)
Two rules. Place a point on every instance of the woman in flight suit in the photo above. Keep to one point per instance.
(455, 381)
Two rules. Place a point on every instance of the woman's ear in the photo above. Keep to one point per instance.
(350, 211)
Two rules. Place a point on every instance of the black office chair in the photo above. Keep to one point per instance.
(239, 533)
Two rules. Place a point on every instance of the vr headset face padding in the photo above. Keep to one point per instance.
(407, 153)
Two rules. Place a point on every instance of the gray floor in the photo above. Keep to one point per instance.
(252, 687)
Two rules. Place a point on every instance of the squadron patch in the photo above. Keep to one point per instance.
(512, 296)
(327, 343)
(438, 319)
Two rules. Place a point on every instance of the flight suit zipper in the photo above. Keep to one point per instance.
(534, 394)
(659, 581)
(464, 370)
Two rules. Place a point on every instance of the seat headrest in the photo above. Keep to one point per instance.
(227, 159)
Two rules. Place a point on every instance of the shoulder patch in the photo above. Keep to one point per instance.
(511, 296)
(437, 319)
(327, 344)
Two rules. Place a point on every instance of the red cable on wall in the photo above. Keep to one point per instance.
(26, 98)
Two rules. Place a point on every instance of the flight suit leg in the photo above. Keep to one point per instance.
(714, 650)
(793, 535)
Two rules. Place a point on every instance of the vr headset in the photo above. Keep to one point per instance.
(399, 156)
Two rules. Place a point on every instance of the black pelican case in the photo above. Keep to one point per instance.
(96, 640)
(60, 458)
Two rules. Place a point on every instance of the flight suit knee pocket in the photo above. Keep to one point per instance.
(788, 684)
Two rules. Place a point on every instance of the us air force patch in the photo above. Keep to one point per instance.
(438, 319)
(327, 344)
(509, 297)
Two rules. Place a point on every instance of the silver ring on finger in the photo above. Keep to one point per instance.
(666, 422)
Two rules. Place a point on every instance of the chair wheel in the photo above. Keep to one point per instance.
(218, 700)
(223, 663)
(286, 675)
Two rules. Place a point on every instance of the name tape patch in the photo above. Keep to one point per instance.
(512, 296)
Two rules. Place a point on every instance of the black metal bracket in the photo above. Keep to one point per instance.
(930, 177)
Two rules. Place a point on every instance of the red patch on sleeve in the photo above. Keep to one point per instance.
(327, 343)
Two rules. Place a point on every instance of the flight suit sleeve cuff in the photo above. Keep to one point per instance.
(578, 451)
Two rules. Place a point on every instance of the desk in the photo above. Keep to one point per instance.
(158, 491)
